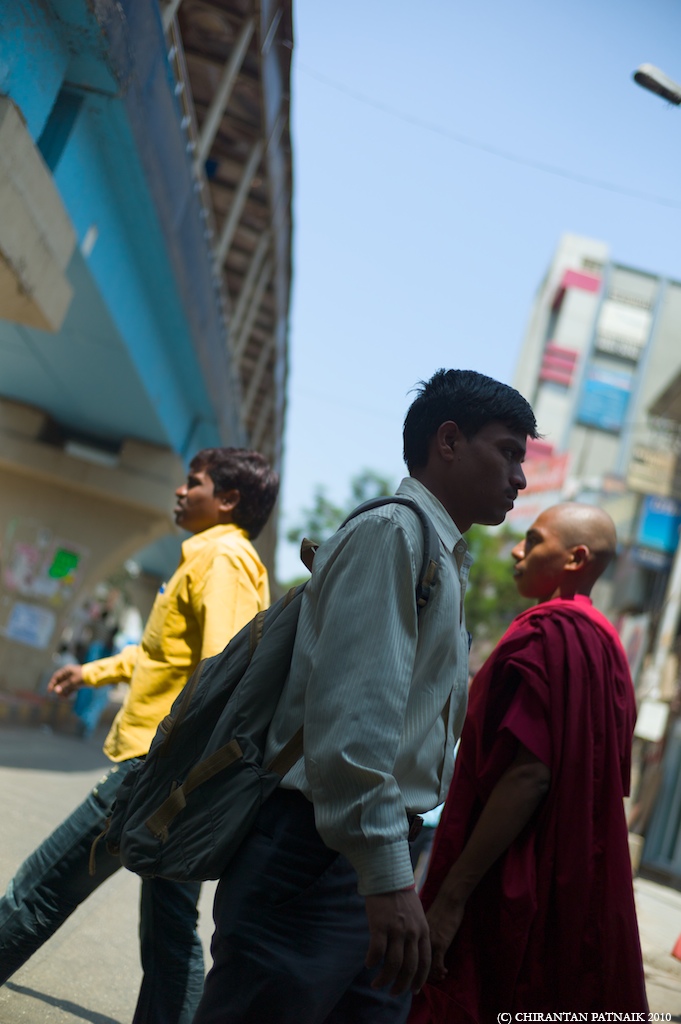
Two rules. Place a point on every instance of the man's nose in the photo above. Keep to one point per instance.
(518, 552)
(181, 491)
(518, 478)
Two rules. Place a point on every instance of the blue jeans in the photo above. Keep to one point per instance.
(55, 880)
(291, 931)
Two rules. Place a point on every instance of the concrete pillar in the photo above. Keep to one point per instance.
(36, 235)
(65, 523)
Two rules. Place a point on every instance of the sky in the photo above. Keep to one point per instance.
(440, 150)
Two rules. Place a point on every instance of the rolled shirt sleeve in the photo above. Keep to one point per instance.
(117, 669)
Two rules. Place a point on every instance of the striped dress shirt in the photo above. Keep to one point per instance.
(381, 692)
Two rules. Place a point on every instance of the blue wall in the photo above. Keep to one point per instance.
(144, 297)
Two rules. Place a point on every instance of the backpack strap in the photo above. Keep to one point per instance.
(431, 545)
(288, 755)
(293, 751)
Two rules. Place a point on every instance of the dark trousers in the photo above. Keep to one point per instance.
(55, 880)
(291, 932)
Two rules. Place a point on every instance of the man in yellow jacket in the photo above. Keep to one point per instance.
(219, 585)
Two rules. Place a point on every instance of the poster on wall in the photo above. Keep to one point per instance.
(605, 398)
(39, 565)
(30, 624)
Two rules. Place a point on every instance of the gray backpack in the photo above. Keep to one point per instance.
(182, 812)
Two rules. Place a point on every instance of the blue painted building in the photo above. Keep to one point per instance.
(145, 219)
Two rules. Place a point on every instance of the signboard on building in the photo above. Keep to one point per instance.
(575, 279)
(545, 474)
(605, 397)
(650, 559)
(652, 471)
(658, 528)
(527, 508)
(558, 364)
(622, 329)
(633, 630)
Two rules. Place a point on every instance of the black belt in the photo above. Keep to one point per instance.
(415, 826)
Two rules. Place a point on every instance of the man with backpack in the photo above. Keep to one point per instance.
(316, 917)
(219, 585)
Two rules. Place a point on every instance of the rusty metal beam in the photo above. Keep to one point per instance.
(249, 282)
(262, 421)
(266, 353)
(240, 341)
(239, 201)
(223, 92)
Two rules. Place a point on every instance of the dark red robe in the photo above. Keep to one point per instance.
(552, 926)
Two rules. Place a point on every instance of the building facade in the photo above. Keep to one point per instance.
(145, 251)
(603, 341)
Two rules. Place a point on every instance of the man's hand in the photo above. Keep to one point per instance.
(444, 919)
(399, 939)
(66, 680)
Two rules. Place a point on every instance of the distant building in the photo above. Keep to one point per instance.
(603, 341)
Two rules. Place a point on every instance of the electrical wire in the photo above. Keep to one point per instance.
(486, 147)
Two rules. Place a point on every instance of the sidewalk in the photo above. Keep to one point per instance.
(659, 921)
(89, 971)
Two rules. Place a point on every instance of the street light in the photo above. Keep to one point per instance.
(651, 78)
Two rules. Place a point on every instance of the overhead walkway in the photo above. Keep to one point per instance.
(145, 236)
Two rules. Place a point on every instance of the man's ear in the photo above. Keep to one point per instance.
(229, 500)
(447, 436)
(579, 557)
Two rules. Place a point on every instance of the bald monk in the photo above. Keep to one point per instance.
(529, 895)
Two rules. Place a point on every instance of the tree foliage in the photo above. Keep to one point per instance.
(324, 518)
(492, 599)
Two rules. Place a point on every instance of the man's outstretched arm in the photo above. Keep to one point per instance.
(116, 669)
(511, 804)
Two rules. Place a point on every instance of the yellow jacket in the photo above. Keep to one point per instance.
(219, 585)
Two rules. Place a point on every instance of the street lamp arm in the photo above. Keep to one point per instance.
(651, 78)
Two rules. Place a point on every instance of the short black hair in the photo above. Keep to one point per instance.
(470, 400)
(247, 472)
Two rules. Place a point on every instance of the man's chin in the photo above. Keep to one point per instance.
(494, 518)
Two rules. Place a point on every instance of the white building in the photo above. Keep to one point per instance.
(603, 341)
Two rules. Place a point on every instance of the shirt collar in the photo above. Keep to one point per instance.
(444, 524)
(195, 543)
